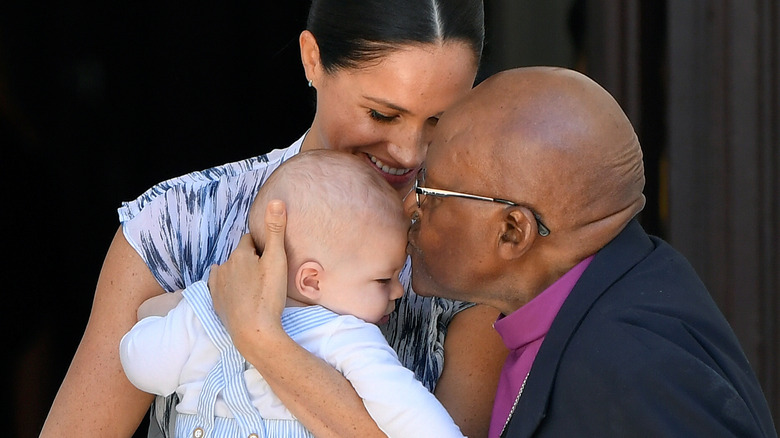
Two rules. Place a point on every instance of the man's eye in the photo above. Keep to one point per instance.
(376, 115)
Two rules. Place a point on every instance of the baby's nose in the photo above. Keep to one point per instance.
(397, 292)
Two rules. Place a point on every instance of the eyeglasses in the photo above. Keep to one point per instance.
(425, 191)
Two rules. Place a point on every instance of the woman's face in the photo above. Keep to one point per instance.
(385, 112)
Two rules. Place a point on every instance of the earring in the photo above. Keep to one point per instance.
(310, 85)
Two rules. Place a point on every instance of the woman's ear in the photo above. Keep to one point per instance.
(517, 233)
(310, 56)
(307, 280)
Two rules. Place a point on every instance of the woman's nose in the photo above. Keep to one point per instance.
(409, 147)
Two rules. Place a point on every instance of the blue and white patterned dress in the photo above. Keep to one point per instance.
(181, 227)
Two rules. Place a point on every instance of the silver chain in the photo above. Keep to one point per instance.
(517, 399)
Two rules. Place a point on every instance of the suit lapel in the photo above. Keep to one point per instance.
(610, 263)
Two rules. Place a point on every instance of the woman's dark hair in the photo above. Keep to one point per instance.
(351, 33)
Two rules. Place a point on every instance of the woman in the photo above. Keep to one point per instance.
(384, 70)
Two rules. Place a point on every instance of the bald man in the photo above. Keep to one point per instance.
(527, 204)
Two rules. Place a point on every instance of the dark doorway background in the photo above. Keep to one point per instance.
(99, 101)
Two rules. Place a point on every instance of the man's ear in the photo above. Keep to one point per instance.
(517, 233)
(307, 280)
(310, 56)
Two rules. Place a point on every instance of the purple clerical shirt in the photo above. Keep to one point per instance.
(523, 332)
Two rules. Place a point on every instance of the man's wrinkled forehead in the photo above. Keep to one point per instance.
(449, 155)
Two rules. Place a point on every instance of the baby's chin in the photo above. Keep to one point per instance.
(383, 320)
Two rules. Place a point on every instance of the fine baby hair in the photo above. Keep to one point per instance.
(331, 198)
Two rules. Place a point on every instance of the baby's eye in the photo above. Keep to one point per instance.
(384, 280)
(376, 115)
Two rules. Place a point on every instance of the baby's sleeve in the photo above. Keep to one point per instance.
(395, 399)
(154, 352)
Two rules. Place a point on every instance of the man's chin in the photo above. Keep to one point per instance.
(423, 288)
(423, 283)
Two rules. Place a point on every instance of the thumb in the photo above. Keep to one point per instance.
(275, 224)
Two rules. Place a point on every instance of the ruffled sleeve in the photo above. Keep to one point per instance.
(182, 226)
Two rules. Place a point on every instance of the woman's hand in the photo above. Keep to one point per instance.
(249, 291)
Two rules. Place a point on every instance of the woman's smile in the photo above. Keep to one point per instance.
(397, 177)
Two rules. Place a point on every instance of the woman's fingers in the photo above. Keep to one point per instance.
(249, 291)
(275, 223)
(273, 262)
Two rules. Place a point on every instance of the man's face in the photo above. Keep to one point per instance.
(452, 240)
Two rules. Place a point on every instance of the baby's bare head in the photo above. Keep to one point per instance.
(333, 200)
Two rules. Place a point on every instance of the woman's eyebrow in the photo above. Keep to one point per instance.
(388, 104)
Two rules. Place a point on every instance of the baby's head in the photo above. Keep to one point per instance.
(346, 232)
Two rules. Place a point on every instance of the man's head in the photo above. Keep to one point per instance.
(345, 236)
(551, 141)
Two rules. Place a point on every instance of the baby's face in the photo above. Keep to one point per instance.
(368, 285)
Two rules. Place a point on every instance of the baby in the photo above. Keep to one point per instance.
(346, 245)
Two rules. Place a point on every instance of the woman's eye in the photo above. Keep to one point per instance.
(433, 121)
(376, 115)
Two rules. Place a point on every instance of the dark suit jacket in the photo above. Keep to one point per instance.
(639, 349)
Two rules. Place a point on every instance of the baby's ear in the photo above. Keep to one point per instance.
(307, 280)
